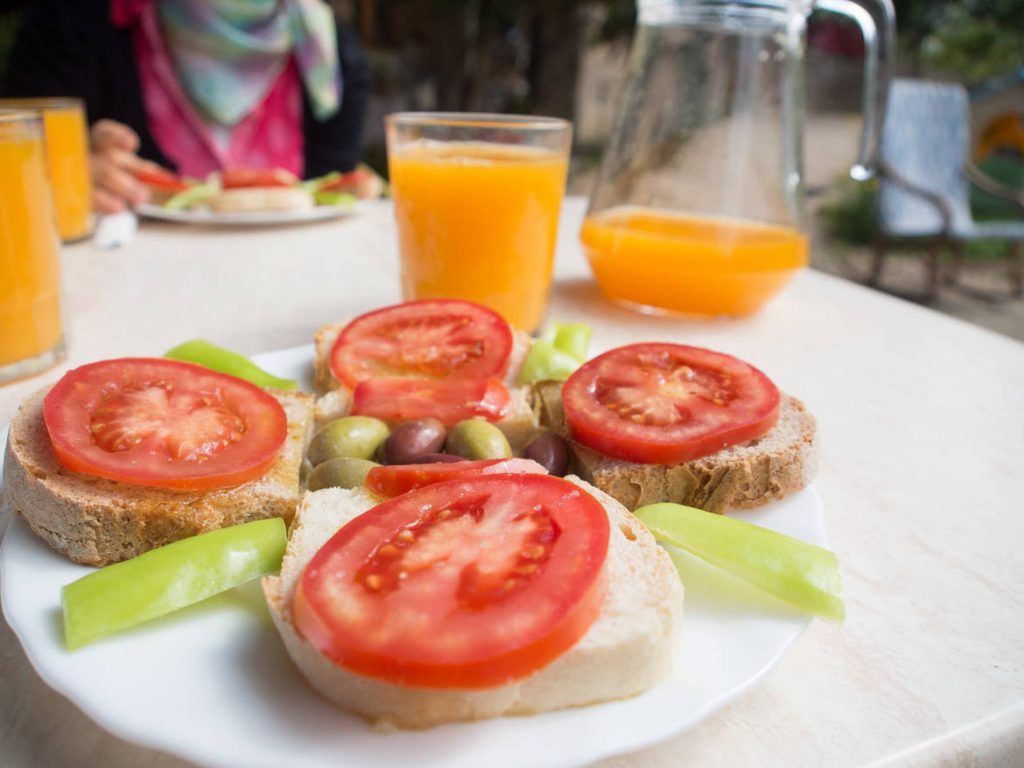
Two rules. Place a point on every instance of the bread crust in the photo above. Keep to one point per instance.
(97, 522)
(740, 477)
(628, 649)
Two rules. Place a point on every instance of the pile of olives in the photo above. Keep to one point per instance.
(343, 451)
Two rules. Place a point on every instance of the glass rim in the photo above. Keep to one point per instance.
(493, 120)
(11, 115)
(41, 102)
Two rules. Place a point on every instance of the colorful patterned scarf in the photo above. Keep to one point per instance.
(228, 53)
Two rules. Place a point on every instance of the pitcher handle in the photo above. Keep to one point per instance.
(878, 53)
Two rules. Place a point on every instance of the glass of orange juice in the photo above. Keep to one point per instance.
(31, 324)
(67, 159)
(477, 199)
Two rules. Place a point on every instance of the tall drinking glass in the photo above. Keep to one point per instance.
(477, 199)
(31, 328)
(67, 159)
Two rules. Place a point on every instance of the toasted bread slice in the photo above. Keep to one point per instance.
(519, 425)
(740, 477)
(97, 522)
(627, 650)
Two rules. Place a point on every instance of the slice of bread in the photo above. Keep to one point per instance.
(519, 424)
(255, 199)
(627, 650)
(740, 477)
(97, 522)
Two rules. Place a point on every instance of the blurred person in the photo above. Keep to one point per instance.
(198, 85)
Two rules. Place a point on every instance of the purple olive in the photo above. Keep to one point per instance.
(411, 440)
(550, 451)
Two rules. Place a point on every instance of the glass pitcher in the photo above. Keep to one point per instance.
(699, 203)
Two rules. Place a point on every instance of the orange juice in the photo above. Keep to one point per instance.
(30, 316)
(690, 264)
(477, 220)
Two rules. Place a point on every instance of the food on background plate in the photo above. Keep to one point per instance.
(254, 190)
(363, 183)
(595, 603)
(162, 183)
(671, 423)
(122, 456)
(170, 577)
(443, 358)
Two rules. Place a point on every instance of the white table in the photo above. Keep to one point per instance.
(922, 421)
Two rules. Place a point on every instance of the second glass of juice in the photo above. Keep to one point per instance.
(67, 160)
(31, 323)
(477, 199)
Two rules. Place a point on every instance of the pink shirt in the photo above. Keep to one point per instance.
(269, 137)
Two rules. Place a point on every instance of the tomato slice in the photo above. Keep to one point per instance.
(464, 584)
(429, 339)
(347, 182)
(399, 478)
(161, 178)
(667, 403)
(163, 423)
(235, 178)
(450, 401)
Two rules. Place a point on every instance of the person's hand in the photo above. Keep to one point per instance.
(114, 166)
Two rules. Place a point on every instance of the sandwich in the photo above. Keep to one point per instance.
(474, 598)
(122, 456)
(256, 189)
(659, 422)
(443, 358)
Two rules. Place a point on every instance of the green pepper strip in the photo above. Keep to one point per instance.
(189, 197)
(168, 578)
(559, 351)
(801, 574)
(222, 360)
(330, 197)
(316, 184)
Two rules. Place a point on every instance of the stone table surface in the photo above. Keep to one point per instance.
(922, 423)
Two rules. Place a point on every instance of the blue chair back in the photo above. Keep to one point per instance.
(925, 139)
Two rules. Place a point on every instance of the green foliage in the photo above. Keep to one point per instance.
(972, 46)
(1006, 170)
(850, 216)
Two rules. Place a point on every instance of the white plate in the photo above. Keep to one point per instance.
(214, 685)
(206, 217)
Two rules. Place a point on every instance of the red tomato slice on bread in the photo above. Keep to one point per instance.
(400, 478)
(238, 178)
(161, 179)
(347, 182)
(463, 584)
(449, 401)
(163, 423)
(429, 339)
(667, 403)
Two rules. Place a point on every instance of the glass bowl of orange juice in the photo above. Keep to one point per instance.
(31, 323)
(67, 160)
(477, 199)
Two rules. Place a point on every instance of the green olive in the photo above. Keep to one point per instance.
(478, 439)
(339, 473)
(351, 437)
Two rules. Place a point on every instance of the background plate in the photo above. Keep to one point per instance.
(206, 217)
(214, 685)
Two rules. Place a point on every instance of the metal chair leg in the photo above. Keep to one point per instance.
(1016, 269)
(875, 275)
(956, 266)
(931, 291)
